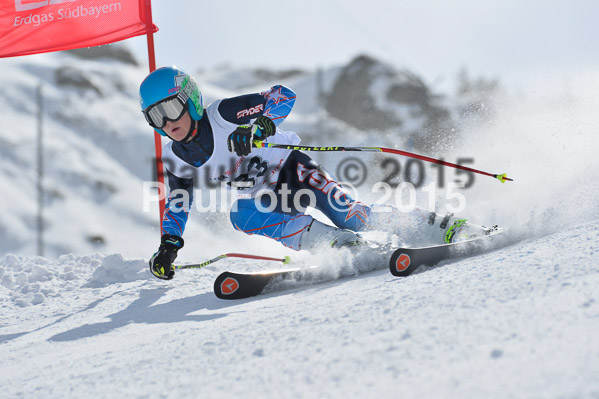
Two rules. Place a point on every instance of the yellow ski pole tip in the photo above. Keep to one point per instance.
(287, 260)
(501, 177)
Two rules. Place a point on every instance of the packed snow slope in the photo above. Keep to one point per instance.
(522, 321)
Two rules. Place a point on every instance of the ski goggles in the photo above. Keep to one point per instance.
(170, 109)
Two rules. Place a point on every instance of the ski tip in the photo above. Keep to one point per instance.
(503, 178)
(287, 260)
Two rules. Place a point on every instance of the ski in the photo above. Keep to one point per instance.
(401, 262)
(231, 285)
(234, 285)
(405, 260)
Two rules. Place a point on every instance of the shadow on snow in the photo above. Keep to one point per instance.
(142, 311)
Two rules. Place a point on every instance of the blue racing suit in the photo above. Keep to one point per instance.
(301, 181)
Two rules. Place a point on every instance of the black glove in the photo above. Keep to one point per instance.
(240, 141)
(267, 127)
(162, 261)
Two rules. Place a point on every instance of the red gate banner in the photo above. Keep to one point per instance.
(40, 26)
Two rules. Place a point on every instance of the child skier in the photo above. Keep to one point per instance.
(215, 144)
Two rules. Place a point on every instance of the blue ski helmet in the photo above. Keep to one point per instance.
(171, 82)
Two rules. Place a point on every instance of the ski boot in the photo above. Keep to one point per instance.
(430, 228)
(322, 235)
(458, 230)
(461, 230)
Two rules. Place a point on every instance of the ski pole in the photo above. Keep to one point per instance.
(285, 260)
(501, 177)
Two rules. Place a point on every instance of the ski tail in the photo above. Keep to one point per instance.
(230, 285)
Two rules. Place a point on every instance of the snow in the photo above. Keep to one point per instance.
(88, 319)
(517, 322)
